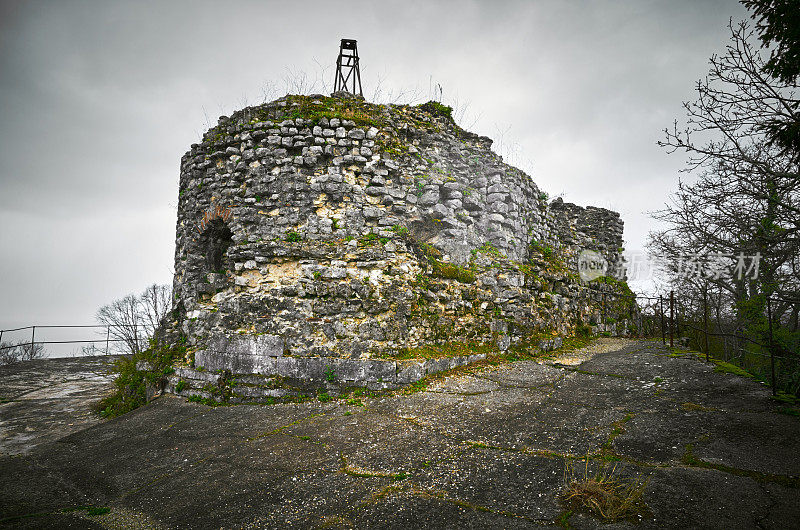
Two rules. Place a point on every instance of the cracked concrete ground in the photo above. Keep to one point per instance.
(485, 448)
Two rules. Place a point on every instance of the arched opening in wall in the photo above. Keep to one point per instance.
(214, 243)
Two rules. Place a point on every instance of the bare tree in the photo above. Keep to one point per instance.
(729, 125)
(747, 193)
(20, 351)
(744, 194)
(133, 320)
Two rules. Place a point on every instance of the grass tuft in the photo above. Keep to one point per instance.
(603, 495)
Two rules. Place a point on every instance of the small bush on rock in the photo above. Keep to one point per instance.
(134, 374)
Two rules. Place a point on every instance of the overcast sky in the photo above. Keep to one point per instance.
(99, 100)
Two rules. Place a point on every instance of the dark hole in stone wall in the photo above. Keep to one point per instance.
(214, 244)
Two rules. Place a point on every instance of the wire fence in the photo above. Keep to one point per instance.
(687, 322)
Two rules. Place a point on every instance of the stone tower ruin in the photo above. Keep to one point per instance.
(326, 235)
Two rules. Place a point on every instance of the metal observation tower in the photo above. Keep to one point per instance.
(347, 70)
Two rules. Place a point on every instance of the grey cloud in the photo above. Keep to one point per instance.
(99, 100)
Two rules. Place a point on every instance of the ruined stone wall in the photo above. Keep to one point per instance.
(329, 227)
(589, 228)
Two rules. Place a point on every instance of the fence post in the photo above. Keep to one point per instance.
(633, 302)
(705, 318)
(33, 337)
(603, 314)
(1, 336)
(663, 332)
(671, 318)
(771, 347)
(108, 333)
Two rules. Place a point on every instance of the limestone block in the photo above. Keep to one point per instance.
(409, 371)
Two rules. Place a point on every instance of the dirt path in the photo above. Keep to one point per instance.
(481, 450)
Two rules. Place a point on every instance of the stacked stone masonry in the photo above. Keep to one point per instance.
(330, 228)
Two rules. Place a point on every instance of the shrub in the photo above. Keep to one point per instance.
(130, 384)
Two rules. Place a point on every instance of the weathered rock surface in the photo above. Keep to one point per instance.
(46, 399)
(486, 449)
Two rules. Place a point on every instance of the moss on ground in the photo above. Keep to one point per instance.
(690, 459)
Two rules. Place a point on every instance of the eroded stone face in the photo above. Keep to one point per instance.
(331, 228)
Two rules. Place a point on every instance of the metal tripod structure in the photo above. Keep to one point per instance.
(347, 62)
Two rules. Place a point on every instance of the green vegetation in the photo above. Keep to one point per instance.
(583, 330)
(293, 237)
(372, 239)
(435, 107)
(546, 251)
(728, 368)
(690, 459)
(488, 249)
(130, 384)
(450, 271)
(209, 402)
(602, 494)
(330, 375)
(618, 427)
(621, 301)
(400, 231)
(785, 397)
(355, 110)
(439, 268)
(563, 519)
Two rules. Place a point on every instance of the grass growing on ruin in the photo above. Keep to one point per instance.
(315, 109)
(728, 368)
(293, 237)
(352, 396)
(517, 352)
(372, 239)
(450, 271)
(488, 249)
(437, 108)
